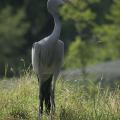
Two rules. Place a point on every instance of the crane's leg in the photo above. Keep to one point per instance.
(53, 91)
(47, 103)
(53, 96)
(38, 79)
(41, 99)
(48, 94)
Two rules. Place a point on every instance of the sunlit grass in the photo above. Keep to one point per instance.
(73, 101)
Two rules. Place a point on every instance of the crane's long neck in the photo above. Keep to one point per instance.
(54, 37)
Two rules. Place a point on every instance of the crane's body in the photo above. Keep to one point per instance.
(47, 59)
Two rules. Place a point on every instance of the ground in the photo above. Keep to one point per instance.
(19, 100)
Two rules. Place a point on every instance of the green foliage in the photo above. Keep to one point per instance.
(79, 54)
(115, 12)
(21, 24)
(109, 34)
(36, 13)
(80, 51)
(79, 12)
(70, 60)
(12, 31)
(99, 41)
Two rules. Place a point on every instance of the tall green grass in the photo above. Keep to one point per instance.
(73, 101)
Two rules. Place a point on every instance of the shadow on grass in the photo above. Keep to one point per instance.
(18, 115)
(68, 114)
(22, 114)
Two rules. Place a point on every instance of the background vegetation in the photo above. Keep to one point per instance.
(90, 32)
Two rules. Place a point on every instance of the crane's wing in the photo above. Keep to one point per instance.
(62, 54)
(59, 57)
(36, 51)
(61, 50)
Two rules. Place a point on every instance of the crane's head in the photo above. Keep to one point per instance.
(54, 4)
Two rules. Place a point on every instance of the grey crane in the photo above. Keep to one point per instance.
(47, 59)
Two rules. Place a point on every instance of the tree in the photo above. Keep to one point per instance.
(79, 54)
(12, 31)
(80, 51)
(108, 34)
(80, 13)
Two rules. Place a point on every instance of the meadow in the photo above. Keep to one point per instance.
(19, 100)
